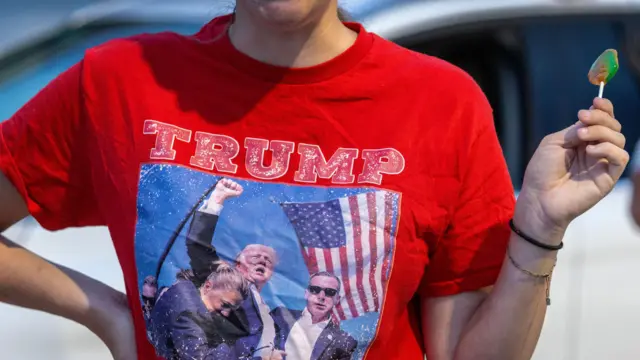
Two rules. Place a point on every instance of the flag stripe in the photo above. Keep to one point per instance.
(371, 205)
(346, 253)
(351, 237)
(342, 306)
(328, 266)
(368, 289)
(388, 208)
(312, 262)
(357, 248)
(344, 264)
(354, 299)
(380, 242)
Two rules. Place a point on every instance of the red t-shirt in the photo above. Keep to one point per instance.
(380, 168)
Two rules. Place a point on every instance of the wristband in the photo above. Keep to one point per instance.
(533, 241)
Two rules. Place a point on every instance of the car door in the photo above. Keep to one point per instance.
(534, 73)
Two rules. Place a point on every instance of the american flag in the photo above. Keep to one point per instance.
(351, 237)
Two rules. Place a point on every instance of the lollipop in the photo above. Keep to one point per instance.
(604, 69)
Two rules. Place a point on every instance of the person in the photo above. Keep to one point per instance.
(255, 262)
(149, 295)
(196, 327)
(288, 79)
(311, 333)
(635, 182)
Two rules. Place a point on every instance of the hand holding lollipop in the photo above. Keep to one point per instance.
(604, 69)
(575, 168)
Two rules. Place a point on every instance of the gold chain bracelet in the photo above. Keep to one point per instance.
(546, 277)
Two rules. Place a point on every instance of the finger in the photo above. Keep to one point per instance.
(568, 137)
(599, 117)
(617, 157)
(599, 133)
(604, 105)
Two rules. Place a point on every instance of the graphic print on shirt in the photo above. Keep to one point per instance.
(240, 269)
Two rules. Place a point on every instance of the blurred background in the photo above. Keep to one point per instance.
(531, 58)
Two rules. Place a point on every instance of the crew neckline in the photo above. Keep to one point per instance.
(286, 75)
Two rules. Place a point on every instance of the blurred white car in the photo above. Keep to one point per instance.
(531, 58)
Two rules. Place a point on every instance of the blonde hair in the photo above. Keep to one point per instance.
(343, 15)
(226, 277)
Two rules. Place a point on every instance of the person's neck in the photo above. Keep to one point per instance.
(258, 286)
(315, 320)
(205, 301)
(305, 46)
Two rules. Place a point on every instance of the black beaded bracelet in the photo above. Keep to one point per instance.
(533, 241)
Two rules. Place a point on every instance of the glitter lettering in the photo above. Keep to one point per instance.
(280, 156)
(378, 162)
(166, 136)
(215, 151)
(313, 164)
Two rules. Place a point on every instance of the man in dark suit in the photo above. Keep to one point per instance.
(255, 262)
(310, 334)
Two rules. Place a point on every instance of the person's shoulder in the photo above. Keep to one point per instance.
(342, 335)
(158, 44)
(423, 71)
(139, 47)
(344, 341)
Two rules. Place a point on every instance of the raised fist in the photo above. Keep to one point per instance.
(226, 188)
(275, 355)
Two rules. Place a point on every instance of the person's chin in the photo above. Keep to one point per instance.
(319, 309)
(258, 279)
(281, 11)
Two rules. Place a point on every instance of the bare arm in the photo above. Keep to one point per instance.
(499, 323)
(563, 180)
(29, 281)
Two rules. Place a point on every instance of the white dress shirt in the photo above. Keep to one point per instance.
(211, 207)
(303, 336)
(268, 325)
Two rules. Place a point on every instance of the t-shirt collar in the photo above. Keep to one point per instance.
(217, 33)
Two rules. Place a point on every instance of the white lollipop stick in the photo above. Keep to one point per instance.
(601, 89)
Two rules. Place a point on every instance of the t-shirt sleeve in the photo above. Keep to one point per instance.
(45, 152)
(471, 252)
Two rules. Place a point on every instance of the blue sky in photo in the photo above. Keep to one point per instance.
(168, 192)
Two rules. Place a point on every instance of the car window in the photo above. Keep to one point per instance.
(534, 74)
(22, 76)
(490, 57)
(558, 54)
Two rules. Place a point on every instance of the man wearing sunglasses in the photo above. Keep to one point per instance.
(310, 333)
